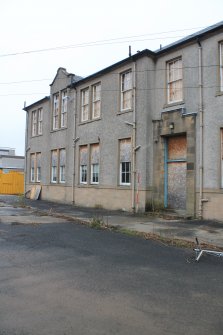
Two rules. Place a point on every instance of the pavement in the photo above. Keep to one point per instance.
(164, 225)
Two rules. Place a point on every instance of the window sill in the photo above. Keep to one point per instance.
(89, 121)
(174, 104)
(125, 111)
(59, 129)
(33, 136)
(219, 93)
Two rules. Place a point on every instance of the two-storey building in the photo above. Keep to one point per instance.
(144, 133)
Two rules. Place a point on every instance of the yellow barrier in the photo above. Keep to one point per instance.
(11, 182)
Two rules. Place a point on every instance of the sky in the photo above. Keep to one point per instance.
(38, 37)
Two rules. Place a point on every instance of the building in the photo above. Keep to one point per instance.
(144, 133)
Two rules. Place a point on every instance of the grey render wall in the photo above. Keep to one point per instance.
(151, 105)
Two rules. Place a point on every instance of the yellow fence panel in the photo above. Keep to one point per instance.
(11, 182)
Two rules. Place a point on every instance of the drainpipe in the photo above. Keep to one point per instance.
(134, 141)
(26, 143)
(75, 139)
(201, 125)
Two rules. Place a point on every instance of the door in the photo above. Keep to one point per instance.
(175, 172)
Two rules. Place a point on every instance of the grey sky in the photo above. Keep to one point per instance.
(28, 25)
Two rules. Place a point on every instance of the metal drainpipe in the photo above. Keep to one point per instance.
(134, 139)
(74, 147)
(200, 214)
(26, 143)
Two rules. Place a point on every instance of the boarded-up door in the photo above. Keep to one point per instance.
(175, 172)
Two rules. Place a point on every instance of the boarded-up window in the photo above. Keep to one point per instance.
(174, 80)
(126, 90)
(95, 158)
(83, 164)
(125, 161)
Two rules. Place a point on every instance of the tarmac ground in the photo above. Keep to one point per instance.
(207, 231)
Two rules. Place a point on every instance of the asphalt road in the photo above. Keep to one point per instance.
(65, 278)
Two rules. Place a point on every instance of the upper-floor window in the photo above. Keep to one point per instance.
(37, 122)
(85, 104)
(64, 109)
(56, 111)
(60, 110)
(221, 65)
(174, 81)
(91, 102)
(126, 90)
(96, 101)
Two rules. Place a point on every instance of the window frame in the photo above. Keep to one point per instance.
(85, 104)
(56, 107)
(124, 90)
(221, 65)
(177, 77)
(62, 168)
(64, 108)
(95, 174)
(54, 168)
(96, 100)
(34, 123)
(34, 168)
(123, 163)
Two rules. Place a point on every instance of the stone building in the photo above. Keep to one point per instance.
(144, 133)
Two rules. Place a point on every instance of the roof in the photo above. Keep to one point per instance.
(41, 101)
(154, 54)
(190, 38)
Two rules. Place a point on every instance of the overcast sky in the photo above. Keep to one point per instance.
(28, 25)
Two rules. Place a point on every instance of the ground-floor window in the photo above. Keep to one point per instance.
(58, 166)
(35, 167)
(125, 147)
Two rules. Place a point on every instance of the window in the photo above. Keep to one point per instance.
(95, 157)
(221, 65)
(126, 90)
(174, 81)
(60, 110)
(56, 111)
(62, 165)
(96, 101)
(91, 103)
(64, 109)
(125, 161)
(40, 121)
(38, 167)
(58, 166)
(34, 123)
(83, 164)
(54, 161)
(85, 104)
(35, 167)
(221, 158)
(32, 169)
